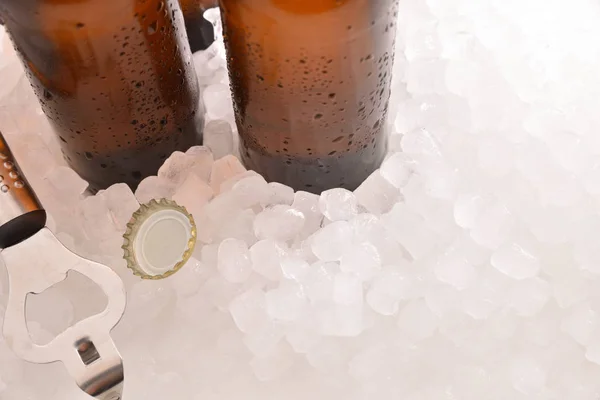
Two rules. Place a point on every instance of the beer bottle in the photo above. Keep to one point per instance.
(114, 77)
(200, 32)
(311, 84)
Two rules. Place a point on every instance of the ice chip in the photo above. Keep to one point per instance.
(251, 191)
(417, 321)
(287, 303)
(347, 289)
(193, 194)
(218, 137)
(274, 365)
(580, 323)
(249, 310)
(338, 204)
(332, 241)
(397, 169)
(217, 98)
(376, 194)
(176, 167)
(223, 169)
(279, 222)
(267, 256)
(527, 375)
(361, 259)
(455, 271)
(294, 268)
(203, 160)
(280, 194)
(121, 203)
(515, 261)
(529, 296)
(234, 260)
(154, 187)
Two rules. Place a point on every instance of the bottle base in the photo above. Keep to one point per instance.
(317, 174)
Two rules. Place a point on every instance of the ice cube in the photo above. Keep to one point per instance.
(190, 278)
(362, 259)
(340, 320)
(249, 310)
(154, 187)
(302, 340)
(347, 289)
(98, 221)
(580, 323)
(280, 194)
(218, 137)
(495, 156)
(294, 268)
(467, 208)
(217, 98)
(527, 375)
(262, 342)
(223, 169)
(410, 230)
(279, 222)
(266, 256)
(274, 365)
(516, 261)
(592, 352)
(234, 260)
(176, 168)
(308, 204)
(121, 203)
(389, 287)
(287, 303)
(147, 300)
(251, 191)
(571, 289)
(376, 194)
(203, 160)
(319, 282)
(456, 271)
(338, 204)
(193, 194)
(397, 169)
(332, 241)
(417, 321)
(529, 296)
(493, 226)
(328, 356)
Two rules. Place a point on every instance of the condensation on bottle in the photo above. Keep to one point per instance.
(114, 77)
(311, 84)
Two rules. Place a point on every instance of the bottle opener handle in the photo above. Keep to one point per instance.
(36, 260)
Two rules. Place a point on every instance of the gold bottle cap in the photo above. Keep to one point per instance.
(159, 239)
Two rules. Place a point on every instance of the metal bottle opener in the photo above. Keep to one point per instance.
(36, 261)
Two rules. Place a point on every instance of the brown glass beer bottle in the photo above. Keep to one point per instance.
(200, 32)
(114, 77)
(311, 83)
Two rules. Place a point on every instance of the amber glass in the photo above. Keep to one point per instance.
(200, 32)
(114, 77)
(311, 84)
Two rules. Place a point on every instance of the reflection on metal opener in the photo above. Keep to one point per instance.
(35, 261)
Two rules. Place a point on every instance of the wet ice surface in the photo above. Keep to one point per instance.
(467, 268)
